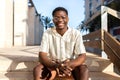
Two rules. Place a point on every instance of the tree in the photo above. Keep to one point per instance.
(46, 21)
(82, 27)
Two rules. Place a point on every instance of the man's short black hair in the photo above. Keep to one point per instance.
(59, 9)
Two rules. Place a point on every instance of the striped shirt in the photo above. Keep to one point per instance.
(63, 47)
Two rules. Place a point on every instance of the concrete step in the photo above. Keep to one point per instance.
(16, 76)
(29, 76)
(97, 63)
(98, 76)
(18, 58)
(104, 76)
(17, 63)
(26, 60)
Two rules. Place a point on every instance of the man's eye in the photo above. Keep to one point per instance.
(63, 17)
(57, 18)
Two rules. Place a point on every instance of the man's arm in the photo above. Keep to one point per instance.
(79, 49)
(68, 65)
(46, 61)
(77, 61)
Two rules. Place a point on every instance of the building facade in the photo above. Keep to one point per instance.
(20, 23)
(92, 7)
(93, 16)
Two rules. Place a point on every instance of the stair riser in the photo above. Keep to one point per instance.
(17, 66)
(16, 76)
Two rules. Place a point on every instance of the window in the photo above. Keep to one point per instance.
(98, 8)
(90, 14)
(90, 6)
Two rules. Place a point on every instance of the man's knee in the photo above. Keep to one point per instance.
(38, 68)
(41, 72)
(83, 69)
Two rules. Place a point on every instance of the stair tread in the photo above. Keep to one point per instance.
(29, 76)
(104, 76)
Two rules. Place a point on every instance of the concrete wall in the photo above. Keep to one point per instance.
(20, 26)
(30, 28)
(2, 23)
(6, 23)
(20, 22)
(38, 30)
(35, 28)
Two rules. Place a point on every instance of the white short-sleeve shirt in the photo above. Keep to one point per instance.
(62, 47)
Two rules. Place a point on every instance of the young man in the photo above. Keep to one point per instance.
(62, 51)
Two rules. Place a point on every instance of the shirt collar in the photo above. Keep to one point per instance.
(56, 33)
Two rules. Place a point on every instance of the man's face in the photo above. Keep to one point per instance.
(60, 19)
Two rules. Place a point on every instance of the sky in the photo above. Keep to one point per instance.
(75, 9)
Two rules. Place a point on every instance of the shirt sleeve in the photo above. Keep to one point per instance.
(79, 46)
(44, 46)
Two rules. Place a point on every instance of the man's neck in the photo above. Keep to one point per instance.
(62, 31)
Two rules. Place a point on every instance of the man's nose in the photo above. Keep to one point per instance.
(60, 19)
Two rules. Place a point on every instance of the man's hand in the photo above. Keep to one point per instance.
(68, 65)
(64, 69)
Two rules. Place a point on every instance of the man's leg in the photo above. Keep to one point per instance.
(81, 73)
(41, 72)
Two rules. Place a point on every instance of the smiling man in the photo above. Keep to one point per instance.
(62, 51)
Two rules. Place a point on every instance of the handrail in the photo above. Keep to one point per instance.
(104, 41)
(112, 49)
(112, 43)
